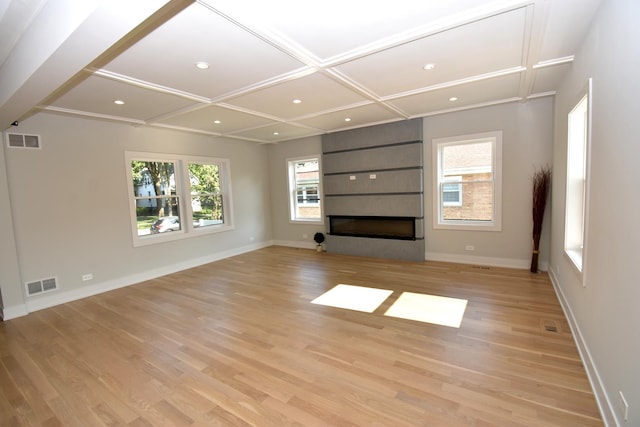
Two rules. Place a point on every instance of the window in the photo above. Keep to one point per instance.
(468, 184)
(304, 189)
(577, 181)
(452, 191)
(173, 197)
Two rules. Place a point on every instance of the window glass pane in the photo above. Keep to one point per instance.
(153, 178)
(204, 178)
(477, 203)
(207, 210)
(451, 195)
(312, 195)
(470, 198)
(206, 198)
(467, 159)
(307, 194)
(154, 191)
(168, 220)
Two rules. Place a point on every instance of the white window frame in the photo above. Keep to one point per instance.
(578, 173)
(183, 192)
(437, 145)
(293, 193)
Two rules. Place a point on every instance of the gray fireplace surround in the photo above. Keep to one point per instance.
(371, 175)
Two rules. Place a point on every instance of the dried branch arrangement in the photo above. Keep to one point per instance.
(541, 185)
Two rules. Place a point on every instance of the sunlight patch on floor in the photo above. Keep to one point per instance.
(429, 308)
(359, 298)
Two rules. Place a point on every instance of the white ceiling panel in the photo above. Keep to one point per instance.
(484, 50)
(236, 58)
(97, 95)
(316, 91)
(477, 93)
(204, 119)
(576, 14)
(15, 17)
(277, 132)
(547, 79)
(357, 117)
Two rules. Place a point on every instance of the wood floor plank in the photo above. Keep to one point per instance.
(238, 343)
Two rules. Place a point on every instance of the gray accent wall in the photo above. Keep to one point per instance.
(375, 171)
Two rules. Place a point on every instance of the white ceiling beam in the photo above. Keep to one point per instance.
(66, 37)
(536, 23)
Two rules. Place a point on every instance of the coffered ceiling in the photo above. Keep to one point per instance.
(287, 69)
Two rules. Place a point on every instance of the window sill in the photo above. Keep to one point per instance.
(468, 226)
(576, 259)
(179, 235)
(306, 221)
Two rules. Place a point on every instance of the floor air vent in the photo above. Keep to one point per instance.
(40, 286)
(18, 140)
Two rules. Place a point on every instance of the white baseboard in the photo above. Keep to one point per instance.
(295, 244)
(602, 398)
(56, 298)
(14, 311)
(488, 261)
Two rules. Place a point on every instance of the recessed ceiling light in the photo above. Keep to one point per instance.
(119, 102)
(276, 133)
(217, 122)
(348, 119)
(453, 98)
(429, 67)
(202, 65)
(297, 101)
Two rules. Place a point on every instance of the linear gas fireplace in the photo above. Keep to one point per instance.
(381, 227)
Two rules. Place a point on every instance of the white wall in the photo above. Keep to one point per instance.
(284, 232)
(527, 135)
(71, 212)
(605, 312)
(11, 296)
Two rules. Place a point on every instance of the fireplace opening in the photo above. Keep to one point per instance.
(382, 227)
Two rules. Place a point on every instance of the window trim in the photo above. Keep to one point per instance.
(577, 253)
(495, 137)
(293, 193)
(183, 192)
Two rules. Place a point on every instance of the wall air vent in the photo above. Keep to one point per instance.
(18, 140)
(40, 286)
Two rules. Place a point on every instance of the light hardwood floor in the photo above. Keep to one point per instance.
(237, 342)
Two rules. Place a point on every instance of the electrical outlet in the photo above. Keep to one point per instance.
(305, 236)
(251, 239)
(624, 406)
(470, 248)
(86, 277)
